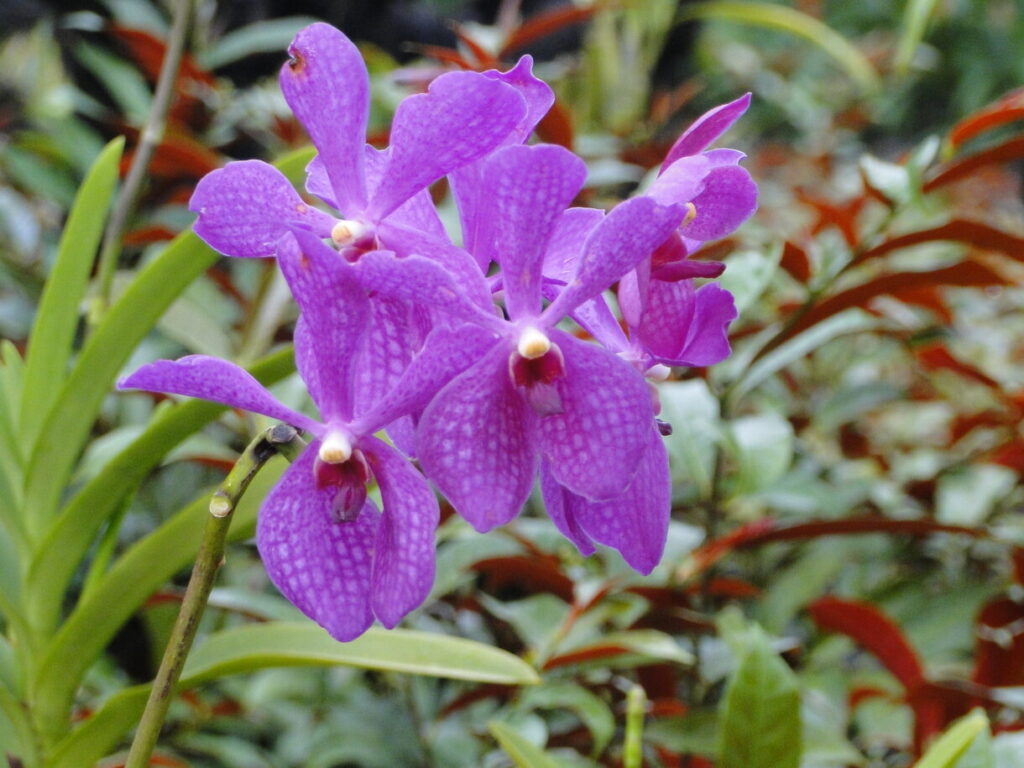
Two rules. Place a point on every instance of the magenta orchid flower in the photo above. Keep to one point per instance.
(538, 391)
(324, 543)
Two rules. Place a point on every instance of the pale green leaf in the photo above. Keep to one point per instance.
(71, 534)
(915, 22)
(57, 317)
(592, 710)
(272, 36)
(276, 644)
(790, 20)
(134, 576)
(850, 321)
(947, 749)
(523, 753)
(760, 724)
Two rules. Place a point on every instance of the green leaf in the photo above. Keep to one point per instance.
(102, 731)
(593, 711)
(57, 317)
(760, 717)
(523, 753)
(762, 446)
(136, 575)
(893, 181)
(277, 644)
(695, 733)
(260, 37)
(946, 751)
(16, 737)
(71, 534)
(796, 23)
(125, 84)
(70, 420)
(850, 321)
(915, 21)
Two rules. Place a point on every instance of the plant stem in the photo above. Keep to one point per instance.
(151, 135)
(281, 439)
(632, 749)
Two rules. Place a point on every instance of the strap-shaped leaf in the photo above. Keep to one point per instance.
(57, 317)
(303, 644)
(285, 643)
(69, 422)
(68, 539)
(136, 575)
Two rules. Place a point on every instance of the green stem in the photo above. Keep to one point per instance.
(632, 750)
(150, 138)
(279, 439)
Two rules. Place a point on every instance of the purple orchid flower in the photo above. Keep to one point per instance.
(246, 207)
(324, 543)
(537, 391)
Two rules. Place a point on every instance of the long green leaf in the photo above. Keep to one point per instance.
(14, 717)
(915, 22)
(522, 752)
(293, 644)
(760, 725)
(284, 643)
(796, 23)
(57, 317)
(136, 575)
(954, 742)
(11, 448)
(71, 534)
(70, 420)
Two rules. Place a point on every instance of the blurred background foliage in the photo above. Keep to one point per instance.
(844, 577)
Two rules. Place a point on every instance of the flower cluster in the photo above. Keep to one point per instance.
(464, 354)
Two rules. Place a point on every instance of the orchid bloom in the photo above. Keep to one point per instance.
(324, 543)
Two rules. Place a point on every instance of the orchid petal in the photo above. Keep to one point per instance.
(326, 85)
(561, 261)
(557, 505)
(210, 378)
(321, 565)
(535, 92)
(461, 118)
(706, 129)
(418, 212)
(636, 521)
(708, 337)
(405, 241)
(528, 189)
(595, 444)
(681, 182)
(403, 564)
(628, 234)
(392, 338)
(475, 443)
(446, 353)
(334, 308)
(728, 198)
(244, 208)
(416, 279)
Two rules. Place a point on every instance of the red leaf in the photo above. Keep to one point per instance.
(592, 653)
(556, 126)
(957, 169)
(842, 216)
(544, 24)
(1006, 110)
(999, 645)
(874, 631)
(484, 58)
(962, 275)
(795, 261)
(974, 233)
(937, 356)
(446, 55)
(524, 573)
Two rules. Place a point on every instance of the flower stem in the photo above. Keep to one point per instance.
(632, 750)
(151, 135)
(281, 439)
